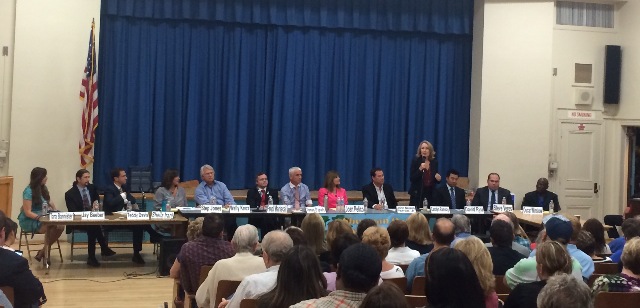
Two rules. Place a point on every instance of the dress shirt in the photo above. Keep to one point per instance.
(254, 285)
(585, 261)
(218, 190)
(84, 192)
(287, 194)
(381, 196)
(332, 198)
(525, 271)
(416, 268)
(460, 236)
(395, 272)
(193, 255)
(335, 299)
(452, 197)
(401, 255)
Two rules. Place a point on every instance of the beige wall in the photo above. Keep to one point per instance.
(7, 26)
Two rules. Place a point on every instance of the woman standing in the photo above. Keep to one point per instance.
(423, 174)
(170, 191)
(332, 190)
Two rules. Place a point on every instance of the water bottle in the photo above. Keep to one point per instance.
(129, 206)
(551, 207)
(468, 202)
(270, 200)
(326, 203)
(341, 204)
(213, 201)
(504, 200)
(425, 205)
(168, 205)
(96, 206)
(365, 202)
(45, 207)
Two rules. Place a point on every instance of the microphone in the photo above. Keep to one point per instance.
(424, 159)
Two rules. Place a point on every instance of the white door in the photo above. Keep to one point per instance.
(579, 169)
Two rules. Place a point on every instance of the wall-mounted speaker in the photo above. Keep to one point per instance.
(583, 96)
(612, 74)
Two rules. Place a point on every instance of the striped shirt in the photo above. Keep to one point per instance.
(335, 299)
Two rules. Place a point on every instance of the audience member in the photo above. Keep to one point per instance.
(525, 251)
(354, 279)
(313, 227)
(341, 243)
(295, 194)
(299, 271)
(170, 191)
(332, 190)
(629, 279)
(378, 238)
(297, 235)
(419, 233)
(565, 291)
(336, 228)
(385, 295)
(480, 258)
(242, 264)
(630, 229)
(399, 253)
(552, 258)
(451, 280)
(587, 244)
(596, 229)
(502, 255)
(520, 236)
(443, 234)
(462, 227)
(194, 230)
(364, 225)
(10, 230)
(378, 194)
(275, 247)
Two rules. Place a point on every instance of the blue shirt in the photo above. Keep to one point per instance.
(616, 256)
(585, 261)
(459, 236)
(218, 190)
(617, 244)
(416, 268)
(287, 195)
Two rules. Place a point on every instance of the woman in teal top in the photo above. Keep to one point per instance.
(33, 196)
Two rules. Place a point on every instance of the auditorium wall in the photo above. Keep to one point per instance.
(7, 22)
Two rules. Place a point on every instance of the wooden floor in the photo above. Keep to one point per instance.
(74, 284)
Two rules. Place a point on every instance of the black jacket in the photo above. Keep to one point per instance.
(253, 196)
(369, 192)
(443, 197)
(113, 202)
(531, 199)
(15, 273)
(481, 197)
(73, 198)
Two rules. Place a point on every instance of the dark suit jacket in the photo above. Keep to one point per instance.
(15, 272)
(74, 200)
(481, 197)
(443, 197)
(416, 178)
(253, 196)
(369, 192)
(113, 202)
(531, 199)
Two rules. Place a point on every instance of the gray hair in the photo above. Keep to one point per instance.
(277, 244)
(245, 238)
(461, 223)
(194, 230)
(205, 167)
(292, 169)
(565, 291)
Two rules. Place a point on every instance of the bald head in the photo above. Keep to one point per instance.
(443, 232)
(505, 218)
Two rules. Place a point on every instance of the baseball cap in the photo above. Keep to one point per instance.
(558, 228)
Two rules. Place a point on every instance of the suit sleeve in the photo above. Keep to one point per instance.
(416, 174)
(26, 286)
(556, 203)
(71, 204)
(366, 194)
(391, 197)
(476, 199)
(251, 198)
(113, 202)
(274, 194)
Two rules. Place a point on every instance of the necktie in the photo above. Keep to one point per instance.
(296, 197)
(453, 198)
(86, 203)
(263, 198)
(493, 198)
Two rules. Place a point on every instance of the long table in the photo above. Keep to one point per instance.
(536, 220)
(116, 219)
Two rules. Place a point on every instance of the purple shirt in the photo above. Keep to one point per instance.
(201, 251)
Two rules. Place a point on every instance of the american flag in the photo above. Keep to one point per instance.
(89, 98)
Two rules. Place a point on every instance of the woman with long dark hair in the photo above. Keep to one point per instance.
(423, 174)
(332, 190)
(596, 229)
(299, 279)
(170, 191)
(451, 280)
(34, 196)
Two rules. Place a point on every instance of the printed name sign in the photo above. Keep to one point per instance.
(403, 209)
(277, 208)
(473, 210)
(354, 208)
(210, 208)
(162, 215)
(61, 216)
(533, 210)
(92, 215)
(237, 209)
(137, 216)
(440, 210)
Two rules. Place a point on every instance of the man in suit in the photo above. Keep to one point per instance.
(83, 196)
(258, 197)
(541, 197)
(450, 194)
(491, 194)
(118, 198)
(378, 194)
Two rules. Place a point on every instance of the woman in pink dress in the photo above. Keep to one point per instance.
(332, 190)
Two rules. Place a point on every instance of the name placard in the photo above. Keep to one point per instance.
(239, 208)
(137, 215)
(61, 216)
(277, 208)
(473, 210)
(311, 209)
(354, 208)
(403, 209)
(502, 208)
(92, 215)
(211, 208)
(440, 210)
(162, 215)
(532, 210)
(321, 210)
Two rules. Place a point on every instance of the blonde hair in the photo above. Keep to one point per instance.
(631, 255)
(432, 152)
(479, 256)
(313, 228)
(378, 238)
(517, 228)
(419, 229)
(195, 229)
(553, 258)
(337, 228)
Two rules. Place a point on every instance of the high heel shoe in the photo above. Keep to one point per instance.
(39, 255)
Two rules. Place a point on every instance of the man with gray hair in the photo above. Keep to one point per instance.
(210, 191)
(275, 247)
(295, 194)
(565, 291)
(241, 265)
(462, 227)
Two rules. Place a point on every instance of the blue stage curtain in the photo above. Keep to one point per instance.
(256, 85)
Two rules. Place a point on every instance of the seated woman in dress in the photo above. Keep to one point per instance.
(629, 279)
(170, 191)
(34, 197)
(332, 190)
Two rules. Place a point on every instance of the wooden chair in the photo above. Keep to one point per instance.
(177, 291)
(26, 236)
(225, 288)
(190, 298)
(415, 300)
(606, 268)
(400, 282)
(404, 267)
(419, 283)
(249, 303)
(617, 300)
(501, 286)
(592, 279)
(8, 292)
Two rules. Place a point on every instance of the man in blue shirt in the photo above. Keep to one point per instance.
(295, 194)
(443, 234)
(462, 227)
(630, 229)
(211, 191)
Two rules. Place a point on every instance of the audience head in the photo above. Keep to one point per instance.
(83, 177)
(552, 258)
(419, 229)
(335, 228)
(207, 174)
(586, 243)
(576, 228)
(245, 239)
(443, 232)
(313, 228)
(38, 182)
(213, 225)
(119, 176)
(364, 225)
(501, 233)
(596, 229)
(398, 233)
(3, 228)
(295, 175)
(517, 229)
(10, 231)
(170, 178)
(297, 235)
(425, 149)
(565, 291)
(480, 258)
(504, 218)
(451, 280)
(631, 255)
(558, 230)
(377, 176)
(461, 223)
(385, 295)
(631, 227)
(331, 180)
(355, 275)
(339, 244)
(378, 238)
(195, 228)
(275, 246)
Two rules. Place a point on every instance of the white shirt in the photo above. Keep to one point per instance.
(395, 272)
(255, 285)
(381, 197)
(401, 255)
(235, 268)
